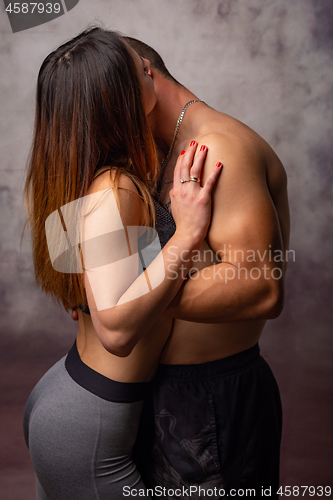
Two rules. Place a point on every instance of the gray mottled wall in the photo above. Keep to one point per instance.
(266, 62)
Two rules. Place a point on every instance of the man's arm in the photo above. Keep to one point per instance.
(245, 233)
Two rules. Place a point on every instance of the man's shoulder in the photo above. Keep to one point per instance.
(249, 163)
(230, 134)
(236, 152)
(222, 139)
(235, 141)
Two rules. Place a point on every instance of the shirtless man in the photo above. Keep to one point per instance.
(213, 419)
(216, 417)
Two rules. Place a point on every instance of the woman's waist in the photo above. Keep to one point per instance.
(139, 366)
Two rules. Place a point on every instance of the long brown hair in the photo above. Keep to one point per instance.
(89, 113)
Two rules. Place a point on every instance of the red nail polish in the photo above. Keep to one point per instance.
(218, 164)
(183, 152)
(203, 148)
(192, 143)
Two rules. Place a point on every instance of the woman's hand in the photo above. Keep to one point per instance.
(191, 202)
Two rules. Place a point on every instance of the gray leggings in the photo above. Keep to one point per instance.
(81, 442)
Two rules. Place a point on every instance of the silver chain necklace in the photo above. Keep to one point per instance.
(178, 124)
(167, 158)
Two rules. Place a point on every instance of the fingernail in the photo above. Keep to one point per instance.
(218, 164)
(192, 143)
(183, 152)
(203, 148)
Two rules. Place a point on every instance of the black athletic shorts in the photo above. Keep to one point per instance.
(216, 424)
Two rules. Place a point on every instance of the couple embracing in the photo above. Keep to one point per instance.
(165, 385)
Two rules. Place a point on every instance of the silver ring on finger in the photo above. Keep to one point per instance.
(195, 179)
(184, 180)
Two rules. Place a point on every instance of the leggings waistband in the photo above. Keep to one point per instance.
(101, 386)
(211, 369)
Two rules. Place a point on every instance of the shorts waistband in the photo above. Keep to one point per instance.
(211, 369)
(101, 386)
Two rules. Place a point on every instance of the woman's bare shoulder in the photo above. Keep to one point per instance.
(130, 205)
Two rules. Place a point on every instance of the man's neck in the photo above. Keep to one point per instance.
(171, 98)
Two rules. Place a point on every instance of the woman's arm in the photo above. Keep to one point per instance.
(123, 305)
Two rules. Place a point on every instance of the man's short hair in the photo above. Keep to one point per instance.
(149, 53)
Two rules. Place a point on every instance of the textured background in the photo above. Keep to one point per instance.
(266, 62)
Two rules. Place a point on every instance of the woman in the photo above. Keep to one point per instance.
(92, 167)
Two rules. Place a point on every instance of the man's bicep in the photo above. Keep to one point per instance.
(243, 213)
(244, 223)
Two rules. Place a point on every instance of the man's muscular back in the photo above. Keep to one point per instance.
(242, 286)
